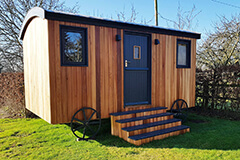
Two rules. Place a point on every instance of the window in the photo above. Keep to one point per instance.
(136, 52)
(73, 46)
(183, 53)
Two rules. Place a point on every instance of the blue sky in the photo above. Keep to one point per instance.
(210, 10)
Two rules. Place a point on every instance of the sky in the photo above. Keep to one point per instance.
(210, 10)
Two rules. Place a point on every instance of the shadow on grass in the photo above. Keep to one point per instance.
(206, 133)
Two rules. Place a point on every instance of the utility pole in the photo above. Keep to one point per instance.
(156, 13)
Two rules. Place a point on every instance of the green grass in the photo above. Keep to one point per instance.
(36, 139)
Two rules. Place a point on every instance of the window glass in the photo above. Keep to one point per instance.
(182, 53)
(73, 46)
(137, 52)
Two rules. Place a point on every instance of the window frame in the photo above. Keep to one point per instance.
(188, 53)
(83, 32)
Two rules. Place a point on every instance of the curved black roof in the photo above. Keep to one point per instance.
(69, 17)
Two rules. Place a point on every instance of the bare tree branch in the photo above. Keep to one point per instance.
(185, 19)
(11, 18)
(122, 15)
(222, 47)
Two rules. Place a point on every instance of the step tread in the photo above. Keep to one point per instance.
(137, 111)
(148, 125)
(157, 133)
(143, 117)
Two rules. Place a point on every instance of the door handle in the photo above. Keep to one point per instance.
(127, 62)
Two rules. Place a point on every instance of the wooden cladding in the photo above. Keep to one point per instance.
(36, 69)
(94, 86)
(168, 82)
(66, 89)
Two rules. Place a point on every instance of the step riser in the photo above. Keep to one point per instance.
(147, 140)
(150, 113)
(126, 134)
(133, 115)
(130, 124)
(138, 110)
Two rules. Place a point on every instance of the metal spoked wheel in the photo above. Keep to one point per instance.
(180, 109)
(86, 123)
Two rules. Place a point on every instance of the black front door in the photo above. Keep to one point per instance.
(137, 69)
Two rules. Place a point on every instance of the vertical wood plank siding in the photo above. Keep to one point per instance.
(93, 86)
(36, 69)
(168, 82)
(100, 84)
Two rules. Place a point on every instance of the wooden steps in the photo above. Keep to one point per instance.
(143, 117)
(145, 125)
(148, 125)
(138, 111)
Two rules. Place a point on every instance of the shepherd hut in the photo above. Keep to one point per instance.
(121, 70)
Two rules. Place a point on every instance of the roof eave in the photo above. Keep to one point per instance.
(61, 16)
(32, 13)
(118, 24)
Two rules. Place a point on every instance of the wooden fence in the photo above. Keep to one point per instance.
(219, 89)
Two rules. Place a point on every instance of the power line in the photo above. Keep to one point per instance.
(227, 4)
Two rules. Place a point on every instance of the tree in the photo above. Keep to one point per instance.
(222, 47)
(185, 19)
(132, 17)
(122, 15)
(11, 18)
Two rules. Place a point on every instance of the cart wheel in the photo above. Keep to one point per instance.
(89, 126)
(180, 109)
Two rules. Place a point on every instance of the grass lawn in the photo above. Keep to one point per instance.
(36, 139)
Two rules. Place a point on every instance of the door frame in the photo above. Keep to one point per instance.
(149, 45)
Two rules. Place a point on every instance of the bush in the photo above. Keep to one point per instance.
(219, 88)
(12, 98)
